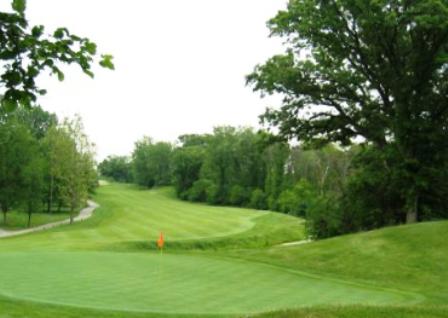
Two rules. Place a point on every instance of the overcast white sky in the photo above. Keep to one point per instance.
(180, 66)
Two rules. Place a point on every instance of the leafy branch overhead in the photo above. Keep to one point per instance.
(27, 51)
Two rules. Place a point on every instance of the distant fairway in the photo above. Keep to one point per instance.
(130, 214)
(108, 264)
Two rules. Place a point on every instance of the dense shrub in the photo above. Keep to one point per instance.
(297, 200)
(323, 218)
(199, 191)
(258, 200)
(239, 196)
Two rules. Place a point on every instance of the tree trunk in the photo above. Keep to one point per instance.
(71, 214)
(29, 219)
(50, 197)
(412, 213)
(4, 210)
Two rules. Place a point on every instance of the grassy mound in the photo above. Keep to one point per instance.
(410, 257)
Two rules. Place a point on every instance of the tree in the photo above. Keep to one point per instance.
(33, 184)
(16, 151)
(36, 119)
(151, 163)
(116, 167)
(376, 70)
(27, 51)
(56, 147)
(186, 167)
(275, 157)
(79, 176)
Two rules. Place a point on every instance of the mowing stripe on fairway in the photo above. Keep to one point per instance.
(129, 214)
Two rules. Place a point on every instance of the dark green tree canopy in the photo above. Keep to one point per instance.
(363, 68)
(27, 51)
(377, 69)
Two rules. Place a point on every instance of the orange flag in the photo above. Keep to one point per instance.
(160, 241)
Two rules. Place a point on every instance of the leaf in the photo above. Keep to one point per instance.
(89, 73)
(59, 33)
(37, 31)
(107, 61)
(9, 105)
(60, 76)
(58, 73)
(90, 48)
(19, 6)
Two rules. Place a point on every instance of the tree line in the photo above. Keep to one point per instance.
(368, 76)
(336, 189)
(45, 165)
(238, 167)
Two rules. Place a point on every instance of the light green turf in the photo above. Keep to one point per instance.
(214, 264)
(172, 283)
(129, 216)
(409, 257)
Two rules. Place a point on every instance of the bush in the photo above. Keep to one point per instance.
(258, 200)
(297, 200)
(200, 190)
(238, 195)
(323, 218)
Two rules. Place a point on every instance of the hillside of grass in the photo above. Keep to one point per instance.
(409, 257)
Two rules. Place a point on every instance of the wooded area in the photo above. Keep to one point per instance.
(45, 165)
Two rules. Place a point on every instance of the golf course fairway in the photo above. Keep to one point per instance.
(216, 261)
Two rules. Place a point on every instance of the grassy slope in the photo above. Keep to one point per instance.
(411, 258)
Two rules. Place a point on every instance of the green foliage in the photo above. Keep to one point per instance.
(119, 168)
(324, 218)
(186, 166)
(27, 51)
(370, 69)
(201, 191)
(16, 152)
(298, 200)
(151, 163)
(258, 200)
(43, 163)
(239, 196)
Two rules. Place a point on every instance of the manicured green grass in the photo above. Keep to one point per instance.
(173, 283)
(130, 218)
(19, 220)
(218, 261)
(411, 257)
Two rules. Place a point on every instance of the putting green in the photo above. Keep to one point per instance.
(172, 283)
